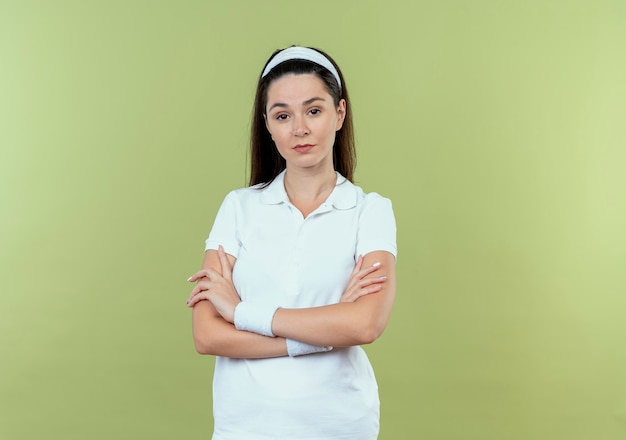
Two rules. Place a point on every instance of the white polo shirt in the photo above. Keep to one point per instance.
(292, 262)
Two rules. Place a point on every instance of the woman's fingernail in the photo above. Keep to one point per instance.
(376, 264)
(189, 279)
(384, 277)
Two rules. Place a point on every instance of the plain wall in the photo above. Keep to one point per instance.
(496, 127)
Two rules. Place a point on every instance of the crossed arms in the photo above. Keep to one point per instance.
(359, 318)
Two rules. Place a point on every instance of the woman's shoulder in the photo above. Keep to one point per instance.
(365, 199)
(247, 195)
(239, 194)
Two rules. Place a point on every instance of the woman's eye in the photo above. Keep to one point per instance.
(315, 111)
(281, 117)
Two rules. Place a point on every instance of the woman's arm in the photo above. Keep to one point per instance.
(359, 319)
(213, 335)
(347, 323)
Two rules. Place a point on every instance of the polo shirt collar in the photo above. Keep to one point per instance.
(344, 195)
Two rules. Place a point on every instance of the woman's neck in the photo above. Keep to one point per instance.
(307, 191)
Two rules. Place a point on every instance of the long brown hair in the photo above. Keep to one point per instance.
(265, 161)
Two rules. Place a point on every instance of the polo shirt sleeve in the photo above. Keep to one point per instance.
(377, 226)
(225, 230)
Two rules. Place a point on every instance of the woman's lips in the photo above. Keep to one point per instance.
(303, 148)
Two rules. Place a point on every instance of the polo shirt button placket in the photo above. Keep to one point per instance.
(297, 255)
(297, 250)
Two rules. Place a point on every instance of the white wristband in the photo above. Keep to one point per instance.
(255, 318)
(297, 348)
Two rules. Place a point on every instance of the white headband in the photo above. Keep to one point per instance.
(301, 53)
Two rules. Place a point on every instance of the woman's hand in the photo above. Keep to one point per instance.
(358, 285)
(216, 288)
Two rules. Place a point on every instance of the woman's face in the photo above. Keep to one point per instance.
(302, 119)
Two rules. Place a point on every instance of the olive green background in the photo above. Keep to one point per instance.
(496, 127)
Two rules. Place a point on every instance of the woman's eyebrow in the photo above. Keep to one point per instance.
(304, 103)
(277, 104)
(312, 100)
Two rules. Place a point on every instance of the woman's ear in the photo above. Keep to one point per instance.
(341, 114)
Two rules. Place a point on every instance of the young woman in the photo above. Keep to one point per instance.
(299, 269)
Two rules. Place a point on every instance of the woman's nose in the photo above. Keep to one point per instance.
(300, 127)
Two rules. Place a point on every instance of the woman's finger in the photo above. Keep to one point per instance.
(368, 270)
(356, 294)
(358, 275)
(195, 299)
(204, 273)
(357, 266)
(364, 286)
(200, 287)
(368, 290)
(376, 280)
(198, 275)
